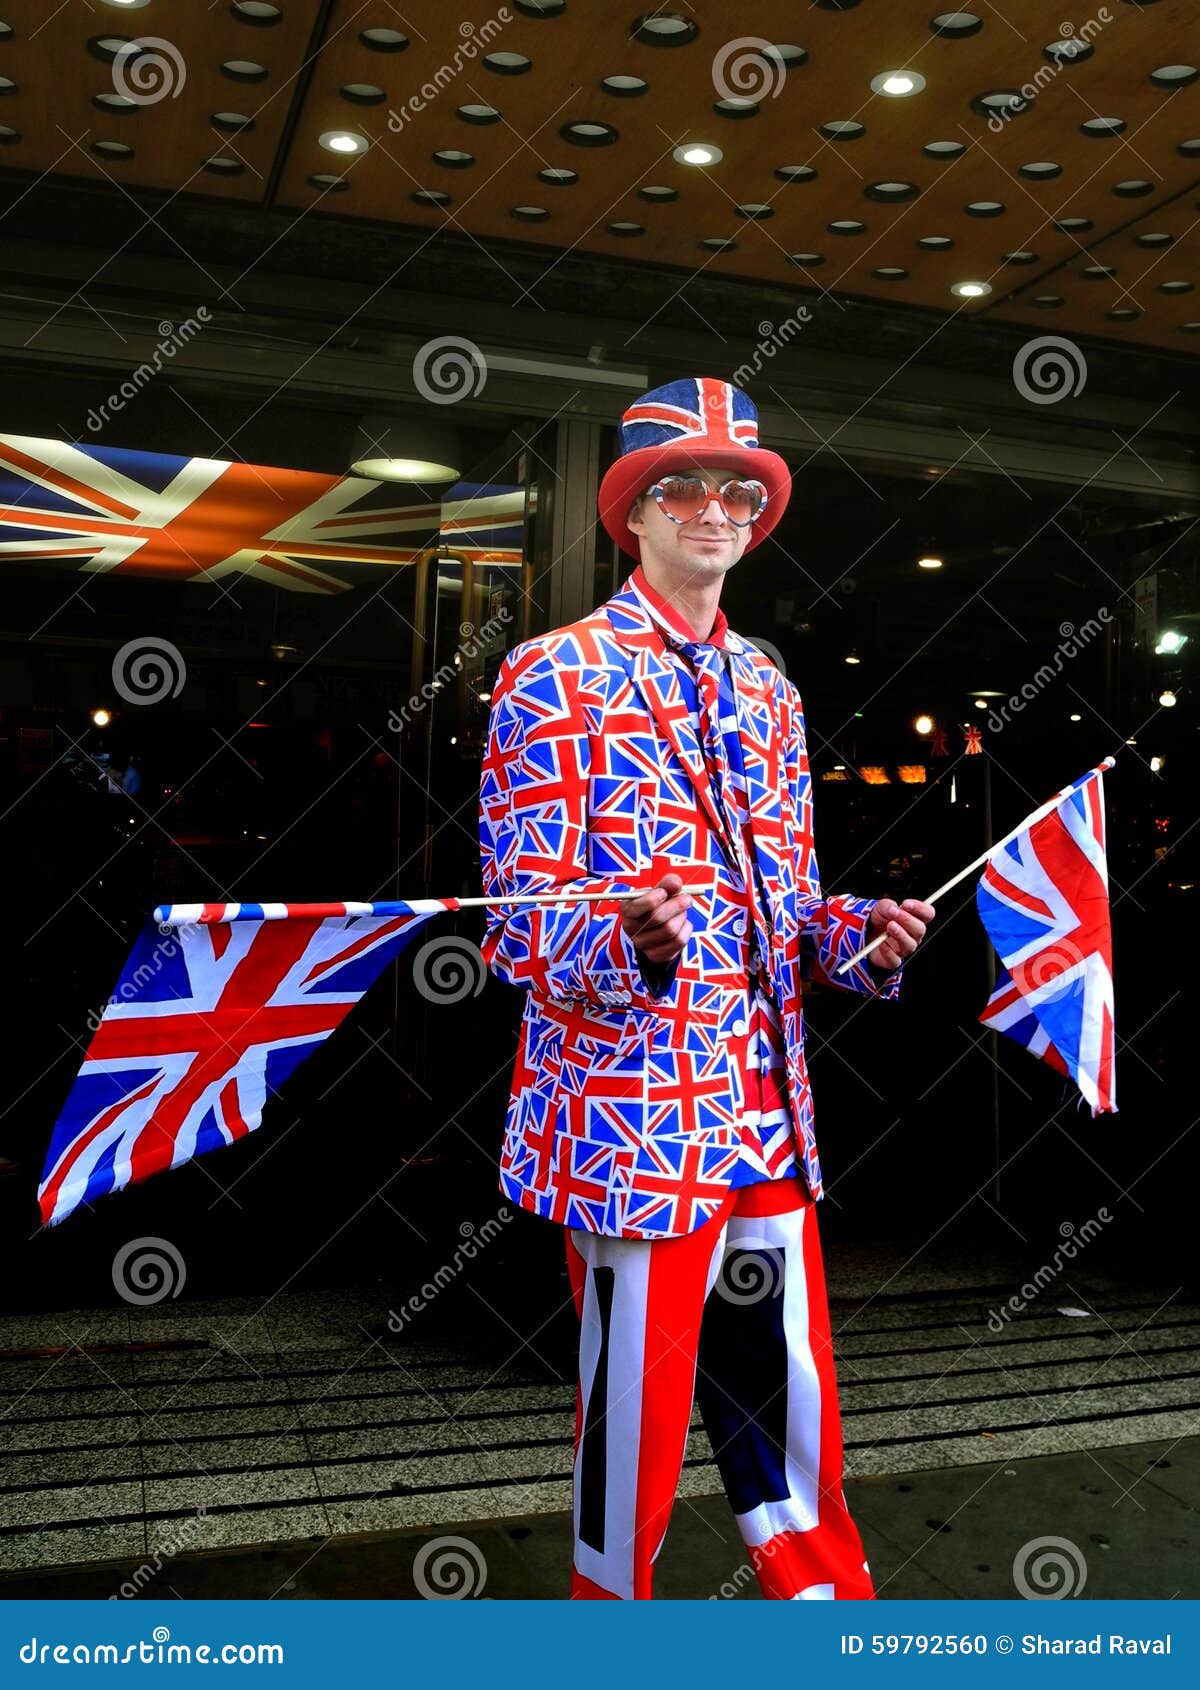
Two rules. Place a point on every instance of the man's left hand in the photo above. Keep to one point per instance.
(905, 926)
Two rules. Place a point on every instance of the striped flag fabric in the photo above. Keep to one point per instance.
(1043, 898)
(216, 1006)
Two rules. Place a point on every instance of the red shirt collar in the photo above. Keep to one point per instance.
(670, 616)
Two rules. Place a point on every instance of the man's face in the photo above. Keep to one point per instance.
(705, 546)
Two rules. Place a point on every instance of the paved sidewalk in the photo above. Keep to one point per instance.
(1132, 1514)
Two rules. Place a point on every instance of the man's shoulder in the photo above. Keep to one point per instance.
(586, 644)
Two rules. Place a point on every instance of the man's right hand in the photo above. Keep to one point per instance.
(657, 921)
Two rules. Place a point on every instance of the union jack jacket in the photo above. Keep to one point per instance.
(626, 1094)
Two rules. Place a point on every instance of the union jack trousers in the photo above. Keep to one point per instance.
(737, 1313)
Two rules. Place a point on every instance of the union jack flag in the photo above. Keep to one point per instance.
(699, 406)
(106, 510)
(216, 1006)
(1043, 898)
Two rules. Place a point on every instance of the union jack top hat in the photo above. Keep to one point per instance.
(699, 422)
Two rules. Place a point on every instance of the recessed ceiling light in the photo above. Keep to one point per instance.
(1075, 716)
(344, 141)
(363, 93)
(261, 13)
(1174, 76)
(956, 24)
(556, 176)
(981, 704)
(970, 290)
(852, 657)
(383, 40)
(477, 114)
(404, 469)
(698, 152)
(929, 561)
(736, 106)
(890, 193)
(244, 70)
(126, 5)
(507, 64)
(1167, 699)
(665, 29)
(1156, 765)
(624, 87)
(923, 724)
(1068, 50)
(843, 129)
(583, 133)
(897, 84)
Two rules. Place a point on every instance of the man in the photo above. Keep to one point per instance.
(660, 1106)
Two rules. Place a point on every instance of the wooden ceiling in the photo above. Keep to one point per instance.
(1089, 233)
